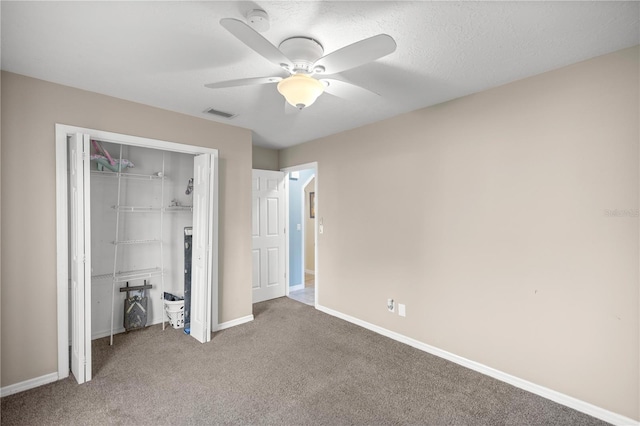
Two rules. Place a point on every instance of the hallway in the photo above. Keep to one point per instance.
(307, 294)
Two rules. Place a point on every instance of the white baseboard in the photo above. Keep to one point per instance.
(28, 384)
(560, 398)
(106, 333)
(233, 323)
(296, 287)
(310, 271)
(219, 327)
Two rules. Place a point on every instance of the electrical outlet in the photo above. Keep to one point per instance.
(402, 310)
(391, 306)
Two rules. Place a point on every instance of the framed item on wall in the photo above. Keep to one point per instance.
(312, 205)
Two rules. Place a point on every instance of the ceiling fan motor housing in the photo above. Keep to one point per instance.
(303, 52)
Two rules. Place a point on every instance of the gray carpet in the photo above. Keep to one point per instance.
(292, 365)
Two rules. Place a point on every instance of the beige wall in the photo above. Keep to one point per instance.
(30, 110)
(309, 230)
(265, 158)
(487, 217)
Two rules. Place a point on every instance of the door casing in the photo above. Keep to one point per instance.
(287, 171)
(62, 229)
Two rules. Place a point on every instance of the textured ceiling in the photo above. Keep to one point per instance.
(162, 53)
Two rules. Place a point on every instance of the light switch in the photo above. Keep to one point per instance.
(402, 310)
(298, 227)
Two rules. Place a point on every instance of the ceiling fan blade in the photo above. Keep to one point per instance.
(243, 82)
(350, 91)
(254, 40)
(356, 54)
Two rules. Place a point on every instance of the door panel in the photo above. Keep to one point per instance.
(268, 235)
(256, 268)
(80, 247)
(201, 264)
(273, 216)
(273, 255)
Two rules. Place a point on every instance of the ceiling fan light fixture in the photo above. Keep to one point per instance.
(300, 90)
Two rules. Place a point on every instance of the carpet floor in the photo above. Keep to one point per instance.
(292, 365)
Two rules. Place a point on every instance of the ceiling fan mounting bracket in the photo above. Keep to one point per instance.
(258, 19)
(303, 52)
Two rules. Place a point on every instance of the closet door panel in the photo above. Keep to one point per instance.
(80, 248)
(202, 245)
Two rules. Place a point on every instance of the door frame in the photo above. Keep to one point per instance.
(62, 228)
(287, 171)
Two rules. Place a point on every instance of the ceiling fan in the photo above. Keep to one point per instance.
(303, 58)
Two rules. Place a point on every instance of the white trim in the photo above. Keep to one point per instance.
(62, 252)
(313, 165)
(29, 384)
(215, 217)
(287, 230)
(287, 173)
(560, 398)
(296, 287)
(310, 271)
(107, 333)
(318, 220)
(300, 167)
(233, 323)
(122, 139)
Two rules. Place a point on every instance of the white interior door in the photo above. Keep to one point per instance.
(80, 251)
(268, 235)
(202, 248)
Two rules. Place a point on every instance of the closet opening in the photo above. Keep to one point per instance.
(141, 218)
(137, 240)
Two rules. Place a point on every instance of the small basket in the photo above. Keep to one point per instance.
(175, 312)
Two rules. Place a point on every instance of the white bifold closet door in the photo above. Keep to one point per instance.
(80, 253)
(202, 246)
